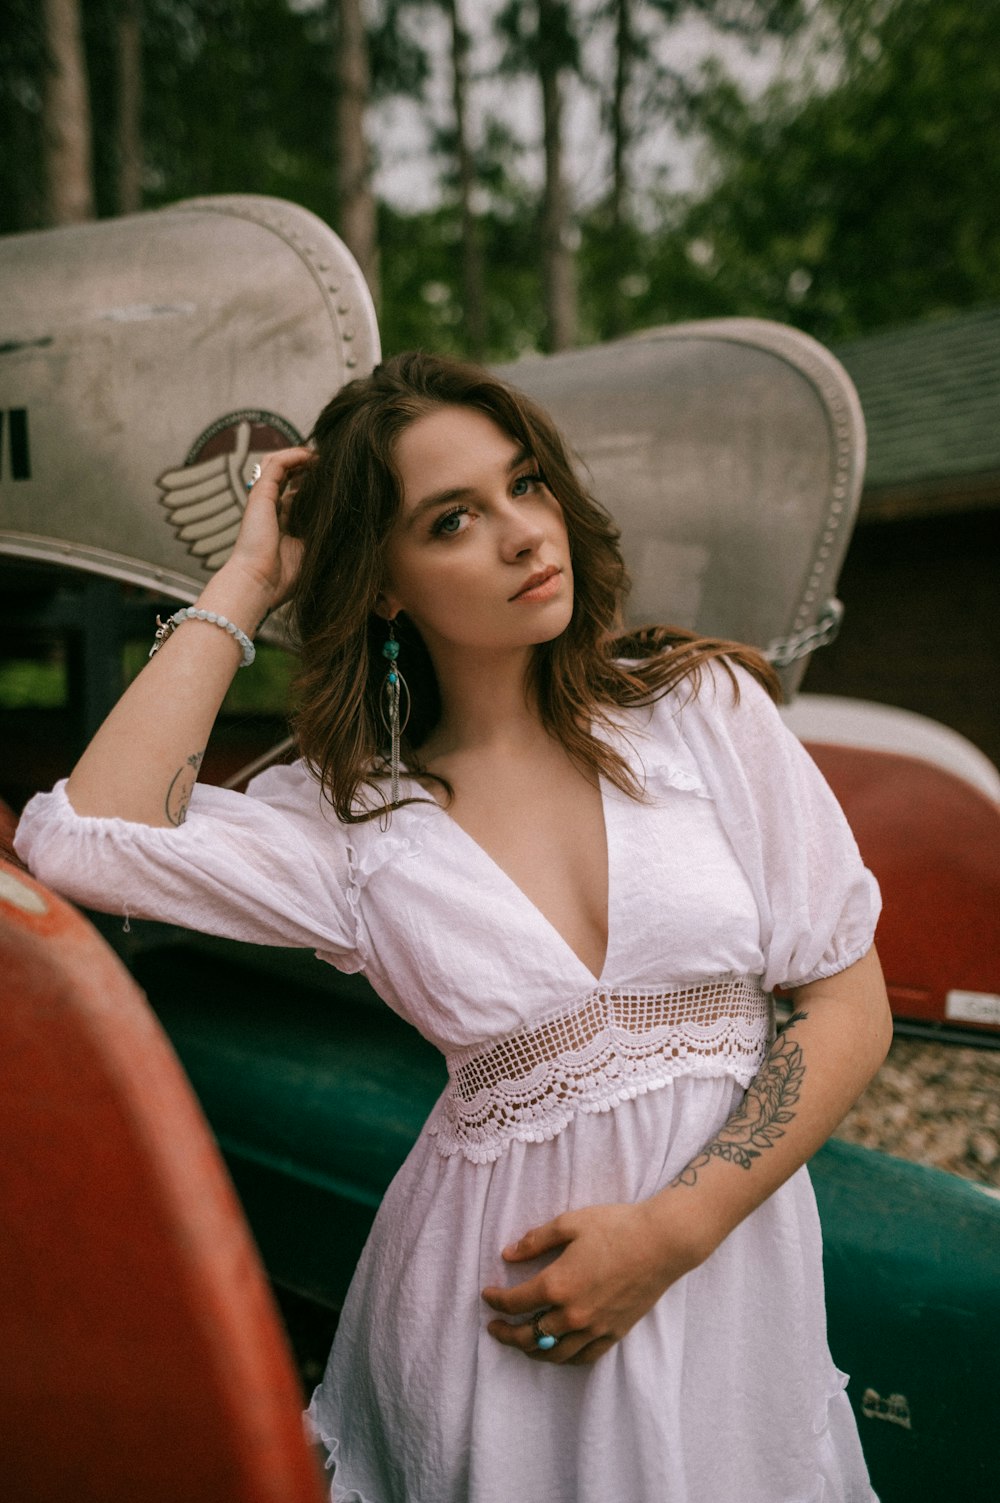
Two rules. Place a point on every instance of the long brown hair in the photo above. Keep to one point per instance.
(344, 509)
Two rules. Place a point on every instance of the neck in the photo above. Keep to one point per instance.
(486, 703)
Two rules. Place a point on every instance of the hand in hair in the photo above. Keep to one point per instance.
(265, 551)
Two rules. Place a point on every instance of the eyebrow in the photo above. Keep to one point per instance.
(456, 493)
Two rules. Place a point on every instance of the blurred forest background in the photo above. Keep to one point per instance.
(516, 175)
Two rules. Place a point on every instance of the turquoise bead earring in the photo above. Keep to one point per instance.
(394, 685)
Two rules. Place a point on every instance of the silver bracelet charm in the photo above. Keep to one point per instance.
(164, 629)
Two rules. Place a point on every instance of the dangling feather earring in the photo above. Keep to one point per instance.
(394, 684)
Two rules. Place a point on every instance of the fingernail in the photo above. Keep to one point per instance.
(510, 1250)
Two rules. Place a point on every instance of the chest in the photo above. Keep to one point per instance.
(455, 945)
(547, 835)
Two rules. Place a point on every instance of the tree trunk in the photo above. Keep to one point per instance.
(357, 218)
(66, 117)
(129, 107)
(473, 279)
(558, 266)
(617, 316)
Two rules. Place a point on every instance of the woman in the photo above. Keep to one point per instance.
(598, 1273)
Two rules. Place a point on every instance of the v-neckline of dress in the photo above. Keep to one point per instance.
(596, 978)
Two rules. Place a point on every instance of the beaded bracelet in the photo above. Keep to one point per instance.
(194, 613)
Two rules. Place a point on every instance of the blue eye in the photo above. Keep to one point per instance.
(450, 524)
(532, 480)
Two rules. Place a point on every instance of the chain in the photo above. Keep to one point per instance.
(784, 651)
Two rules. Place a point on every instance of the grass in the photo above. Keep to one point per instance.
(26, 685)
(42, 684)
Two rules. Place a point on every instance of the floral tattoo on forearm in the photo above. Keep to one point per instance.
(181, 788)
(766, 1109)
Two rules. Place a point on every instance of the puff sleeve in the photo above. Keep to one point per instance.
(268, 866)
(818, 903)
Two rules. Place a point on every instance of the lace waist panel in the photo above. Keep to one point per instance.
(616, 1045)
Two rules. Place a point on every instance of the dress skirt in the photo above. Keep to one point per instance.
(724, 1392)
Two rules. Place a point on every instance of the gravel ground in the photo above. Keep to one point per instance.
(935, 1104)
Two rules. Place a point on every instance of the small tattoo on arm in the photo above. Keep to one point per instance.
(181, 786)
(766, 1109)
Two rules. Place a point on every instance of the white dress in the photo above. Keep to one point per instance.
(737, 873)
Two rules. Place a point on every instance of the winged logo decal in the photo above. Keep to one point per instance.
(204, 498)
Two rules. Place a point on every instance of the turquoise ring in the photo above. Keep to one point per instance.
(543, 1341)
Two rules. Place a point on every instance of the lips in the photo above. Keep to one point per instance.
(536, 581)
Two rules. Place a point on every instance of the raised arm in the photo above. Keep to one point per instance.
(143, 762)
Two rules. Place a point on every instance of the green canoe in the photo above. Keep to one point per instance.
(316, 1093)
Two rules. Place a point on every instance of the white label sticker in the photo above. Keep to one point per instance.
(20, 895)
(973, 1007)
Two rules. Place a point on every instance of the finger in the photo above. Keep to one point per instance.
(590, 1351)
(285, 459)
(283, 505)
(541, 1239)
(278, 464)
(523, 1299)
(294, 472)
(521, 1338)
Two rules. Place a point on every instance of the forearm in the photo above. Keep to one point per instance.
(143, 762)
(817, 1067)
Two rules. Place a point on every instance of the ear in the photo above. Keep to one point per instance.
(386, 606)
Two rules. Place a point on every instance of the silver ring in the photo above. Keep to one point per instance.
(254, 477)
(543, 1341)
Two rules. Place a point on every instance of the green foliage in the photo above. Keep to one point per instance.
(628, 276)
(870, 203)
(23, 61)
(421, 276)
(398, 62)
(530, 27)
(30, 684)
(42, 683)
(631, 268)
(865, 198)
(264, 689)
(237, 100)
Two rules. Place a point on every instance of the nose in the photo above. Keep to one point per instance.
(522, 532)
